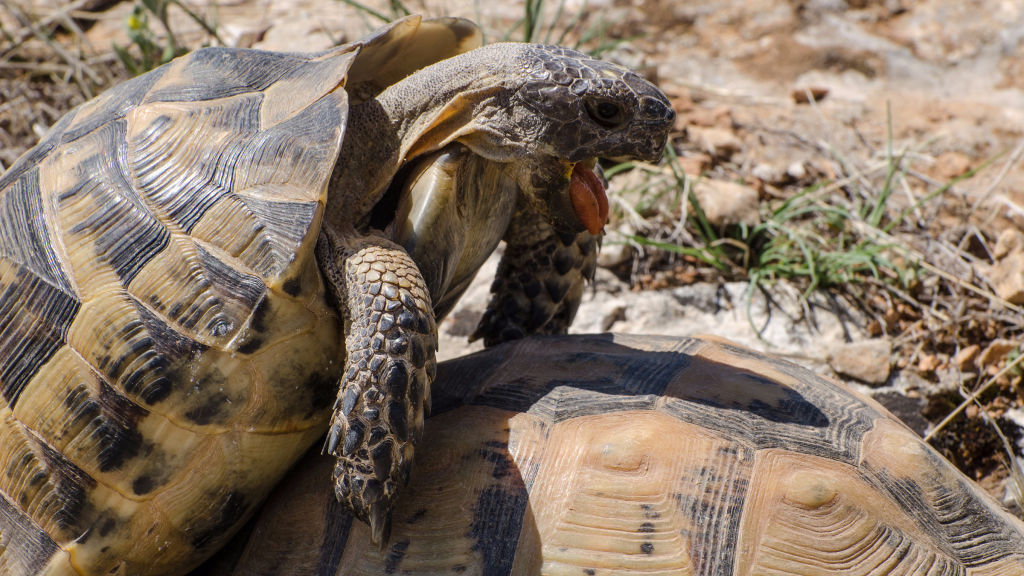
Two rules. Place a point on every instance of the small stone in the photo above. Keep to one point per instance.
(796, 171)
(964, 359)
(928, 363)
(718, 142)
(1007, 277)
(694, 165)
(995, 353)
(616, 314)
(949, 165)
(1010, 240)
(768, 173)
(728, 203)
(615, 255)
(719, 116)
(868, 361)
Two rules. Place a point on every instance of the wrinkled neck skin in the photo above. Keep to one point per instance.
(424, 112)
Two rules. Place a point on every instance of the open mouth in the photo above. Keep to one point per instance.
(589, 200)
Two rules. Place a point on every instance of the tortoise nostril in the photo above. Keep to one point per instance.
(656, 109)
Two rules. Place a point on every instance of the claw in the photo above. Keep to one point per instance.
(380, 525)
(333, 437)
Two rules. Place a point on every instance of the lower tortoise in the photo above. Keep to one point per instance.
(209, 267)
(576, 455)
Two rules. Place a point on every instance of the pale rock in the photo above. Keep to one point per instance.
(951, 164)
(694, 165)
(964, 359)
(613, 255)
(797, 171)
(728, 203)
(1007, 277)
(869, 361)
(995, 352)
(1009, 241)
(718, 142)
(768, 173)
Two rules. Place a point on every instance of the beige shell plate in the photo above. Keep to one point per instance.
(648, 455)
(166, 349)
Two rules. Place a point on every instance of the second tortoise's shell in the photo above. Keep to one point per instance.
(647, 455)
(166, 349)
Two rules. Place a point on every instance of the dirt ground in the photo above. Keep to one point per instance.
(773, 96)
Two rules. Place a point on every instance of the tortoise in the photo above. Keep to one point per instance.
(214, 265)
(616, 454)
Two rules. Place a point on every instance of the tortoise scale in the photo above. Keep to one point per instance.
(209, 266)
(622, 454)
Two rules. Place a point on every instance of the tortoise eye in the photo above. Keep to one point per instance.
(606, 113)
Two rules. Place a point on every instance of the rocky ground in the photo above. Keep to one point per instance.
(898, 125)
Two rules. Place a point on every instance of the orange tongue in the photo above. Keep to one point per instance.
(588, 198)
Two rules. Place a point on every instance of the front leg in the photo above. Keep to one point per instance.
(540, 280)
(385, 388)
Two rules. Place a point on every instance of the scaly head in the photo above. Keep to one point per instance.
(548, 111)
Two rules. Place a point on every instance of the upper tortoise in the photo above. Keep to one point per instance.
(211, 265)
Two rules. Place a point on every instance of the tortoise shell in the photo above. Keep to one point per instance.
(647, 455)
(166, 348)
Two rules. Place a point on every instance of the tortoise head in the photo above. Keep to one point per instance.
(574, 107)
(545, 113)
(571, 109)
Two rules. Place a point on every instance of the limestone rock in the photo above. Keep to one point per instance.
(718, 142)
(727, 203)
(1007, 275)
(869, 361)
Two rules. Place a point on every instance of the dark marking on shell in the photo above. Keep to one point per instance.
(23, 235)
(231, 512)
(335, 536)
(217, 72)
(282, 226)
(292, 286)
(172, 345)
(251, 345)
(498, 518)
(231, 284)
(155, 392)
(126, 235)
(970, 532)
(185, 190)
(589, 571)
(26, 546)
(72, 486)
(143, 485)
(258, 322)
(323, 389)
(116, 104)
(646, 528)
(417, 516)
(37, 317)
(647, 548)
(106, 525)
(649, 512)
(119, 443)
(396, 553)
(210, 407)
